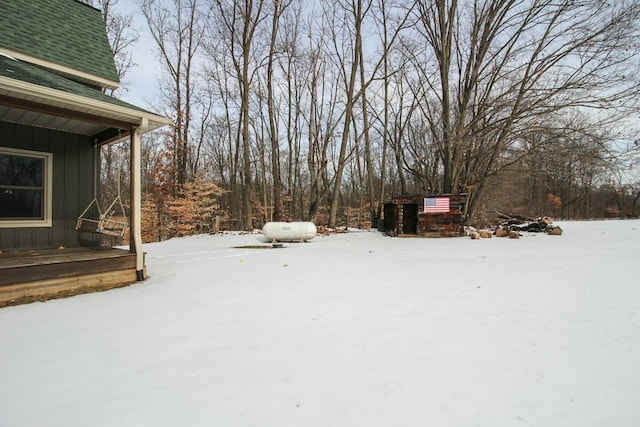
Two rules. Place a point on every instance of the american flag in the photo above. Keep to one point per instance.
(436, 204)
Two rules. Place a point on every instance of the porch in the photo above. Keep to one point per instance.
(38, 275)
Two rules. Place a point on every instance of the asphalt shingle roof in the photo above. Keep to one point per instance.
(18, 70)
(64, 32)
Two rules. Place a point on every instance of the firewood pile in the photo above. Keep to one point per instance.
(513, 225)
(326, 231)
(519, 223)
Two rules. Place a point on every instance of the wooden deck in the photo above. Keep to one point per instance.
(37, 275)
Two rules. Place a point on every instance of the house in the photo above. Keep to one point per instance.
(442, 215)
(55, 64)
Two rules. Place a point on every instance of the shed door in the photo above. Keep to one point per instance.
(410, 218)
(390, 217)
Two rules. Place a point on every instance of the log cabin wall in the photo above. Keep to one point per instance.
(72, 186)
(412, 220)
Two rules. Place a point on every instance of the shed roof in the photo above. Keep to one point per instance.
(66, 36)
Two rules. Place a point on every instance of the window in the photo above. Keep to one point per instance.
(25, 188)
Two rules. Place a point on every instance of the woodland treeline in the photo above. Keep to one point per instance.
(319, 110)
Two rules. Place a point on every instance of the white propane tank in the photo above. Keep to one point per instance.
(289, 231)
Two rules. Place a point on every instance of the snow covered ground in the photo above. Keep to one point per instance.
(355, 329)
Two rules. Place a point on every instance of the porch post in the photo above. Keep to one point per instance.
(135, 244)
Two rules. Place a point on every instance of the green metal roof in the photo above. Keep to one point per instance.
(63, 32)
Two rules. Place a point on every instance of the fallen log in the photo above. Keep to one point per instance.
(485, 234)
(501, 232)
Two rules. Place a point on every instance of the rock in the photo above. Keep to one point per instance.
(514, 234)
(485, 234)
(474, 235)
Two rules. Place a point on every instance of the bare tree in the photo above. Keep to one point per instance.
(503, 65)
(222, 84)
(349, 61)
(390, 19)
(473, 89)
(295, 73)
(322, 116)
(278, 9)
(177, 27)
(347, 28)
(239, 21)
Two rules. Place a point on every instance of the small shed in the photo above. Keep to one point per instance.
(442, 215)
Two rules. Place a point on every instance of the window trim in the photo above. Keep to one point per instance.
(47, 175)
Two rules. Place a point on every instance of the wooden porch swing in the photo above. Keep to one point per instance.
(112, 221)
(105, 222)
